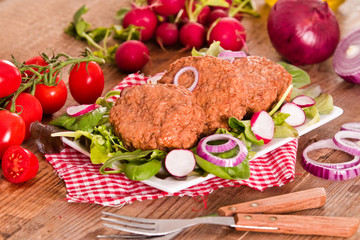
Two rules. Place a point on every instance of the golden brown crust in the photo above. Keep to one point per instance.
(220, 91)
(162, 116)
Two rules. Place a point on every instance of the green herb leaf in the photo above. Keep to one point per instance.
(140, 171)
(241, 171)
(86, 122)
(245, 127)
(284, 130)
(300, 78)
(324, 103)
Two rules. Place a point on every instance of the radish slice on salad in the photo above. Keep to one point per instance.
(297, 115)
(330, 171)
(180, 162)
(352, 126)
(262, 126)
(75, 111)
(304, 101)
(185, 69)
(222, 162)
(346, 145)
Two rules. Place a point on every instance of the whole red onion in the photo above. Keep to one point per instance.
(303, 31)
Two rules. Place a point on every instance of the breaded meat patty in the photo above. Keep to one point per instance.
(161, 116)
(266, 82)
(221, 92)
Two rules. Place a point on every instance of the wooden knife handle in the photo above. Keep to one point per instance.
(291, 202)
(296, 224)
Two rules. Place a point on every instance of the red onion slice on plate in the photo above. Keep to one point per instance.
(345, 145)
(346, 59)
(185, 69)
(223, 162)
(330, 171)
(230, 144)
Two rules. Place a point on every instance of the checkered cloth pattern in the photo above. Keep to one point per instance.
(85, 184)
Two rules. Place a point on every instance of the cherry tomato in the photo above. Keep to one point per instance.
(86, 82)
(29, 108)
(37, 60)
(10, 78)
(12, 130)
(52, 98)
(19, 164)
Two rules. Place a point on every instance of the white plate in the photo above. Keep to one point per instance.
(171, 185)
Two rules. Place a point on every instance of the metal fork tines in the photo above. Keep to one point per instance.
(157, 227)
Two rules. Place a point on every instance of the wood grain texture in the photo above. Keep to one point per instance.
(37, 209)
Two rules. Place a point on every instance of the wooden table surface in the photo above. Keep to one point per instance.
(37, 209)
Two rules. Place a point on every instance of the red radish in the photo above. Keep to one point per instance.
(75, 111)
(262, 126)
(180, 162)
(297, 115)
(167, 34)
(132, 55)
(192, 34)
(142, 17)
(204, 15)
(167, 7)
(304, 101)
(215, 14)
(229, 31)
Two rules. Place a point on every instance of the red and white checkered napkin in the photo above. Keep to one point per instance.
(84, 183)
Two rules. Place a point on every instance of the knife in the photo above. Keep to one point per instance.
(291, 202)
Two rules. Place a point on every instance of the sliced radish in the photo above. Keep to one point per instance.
(262, 126)
(79, 110)
(297, 115)
(180, 162)
(304, 101)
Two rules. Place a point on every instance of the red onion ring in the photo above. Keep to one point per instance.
(221, 147)
(232, 54)
(346, 59)
(222, 162)
(347, 146)
(352, 126)
(330, 171)
(185, 69)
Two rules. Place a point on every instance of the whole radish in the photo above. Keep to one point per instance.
(204, 15)
(192, 34)
(132, 55)
(166, 7)
(229, 32)
(142, 17)
(167, 34)
(215, 14)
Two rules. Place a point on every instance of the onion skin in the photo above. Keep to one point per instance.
(303, 31)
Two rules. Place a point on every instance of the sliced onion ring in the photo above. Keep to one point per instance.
(346, 60)
(185, 69)
(230, 144)
(222, 162)
(347, 146)
(352, 126)
(330, 171)
(232, 54)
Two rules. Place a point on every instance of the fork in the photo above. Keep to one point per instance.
(289, 224)
(141, 236)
